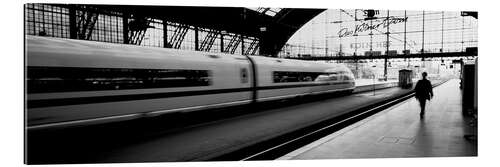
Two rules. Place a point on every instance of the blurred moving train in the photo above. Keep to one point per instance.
(76, 82)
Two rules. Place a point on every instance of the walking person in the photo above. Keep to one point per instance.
(423, 92)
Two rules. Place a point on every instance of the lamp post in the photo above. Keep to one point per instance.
(373, 84)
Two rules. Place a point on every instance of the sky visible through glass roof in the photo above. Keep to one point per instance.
(348, 32)
(267, 11)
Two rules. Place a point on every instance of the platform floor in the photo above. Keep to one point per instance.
(399, 132)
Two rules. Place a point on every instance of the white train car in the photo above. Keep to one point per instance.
(76, 82)
(285, 78)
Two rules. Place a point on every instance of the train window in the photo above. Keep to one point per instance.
(292, 76)
(64, 79)
(322, 78)
(333, 77)
(346, 77)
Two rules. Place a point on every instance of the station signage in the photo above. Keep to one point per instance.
(381, 44)
(365, 45)
(375, 24)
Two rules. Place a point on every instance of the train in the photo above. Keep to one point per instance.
(71, 82)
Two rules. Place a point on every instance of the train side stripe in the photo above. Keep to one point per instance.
(119, 98)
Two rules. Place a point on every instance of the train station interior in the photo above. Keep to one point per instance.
(235, 85)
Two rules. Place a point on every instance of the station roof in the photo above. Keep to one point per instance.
(273, 26)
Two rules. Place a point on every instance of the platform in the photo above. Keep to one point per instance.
(399, 132)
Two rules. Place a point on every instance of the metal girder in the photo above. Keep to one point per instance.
(137, 29)
(86, 20)
(209, 40)
(284, 25)
(235, 20)
(252, 48)
(178, 36)
(136, 37)
(272, 31)
(233, 44)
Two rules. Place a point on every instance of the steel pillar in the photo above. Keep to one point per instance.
(125, 28)
(73, 31)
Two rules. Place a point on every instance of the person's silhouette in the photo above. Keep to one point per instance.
(423, 92)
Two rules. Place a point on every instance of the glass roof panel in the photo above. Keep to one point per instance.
(266, 11)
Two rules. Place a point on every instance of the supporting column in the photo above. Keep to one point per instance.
(263, 41)
(404, 47)
(196, 40)
(387, 48)
(125, 28)
(242, 44)
(406, 52)
(72, 22)
(262, 47)
(442, 31)
(221, 42)
(423, 38)
(165, 33)
(326, 32)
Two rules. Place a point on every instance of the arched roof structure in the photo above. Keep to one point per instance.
(272, 30)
